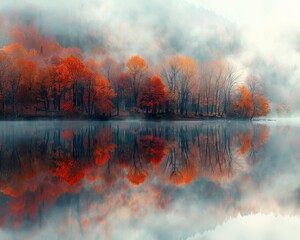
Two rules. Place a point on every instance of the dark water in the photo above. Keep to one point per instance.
(144, 180)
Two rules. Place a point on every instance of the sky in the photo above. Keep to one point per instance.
(270, 28)
(271, 37)
(260, 37)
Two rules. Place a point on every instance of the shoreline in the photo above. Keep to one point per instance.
(173, 118)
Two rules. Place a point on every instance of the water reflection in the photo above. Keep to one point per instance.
(99, 180)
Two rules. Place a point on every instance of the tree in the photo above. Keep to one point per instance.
(61, 82)
(152, 95)
(76, 71)
(180, 73)
(110, 68)
(123, 89)
(104, 96)
(137, 70)
(261, 106)
(248, 106)
(5, 64)
(69, 81)
(44, 88)
(243, 105)
(28, 92)
(171, 73)
(231, 78)
(17, 53)
(188, 75)
(90, 92)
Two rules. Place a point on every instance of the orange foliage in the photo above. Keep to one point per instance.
(136, 176)
(184, 176)
(245, 140)
(16, 51)
(248, 104)
(137, 66)
(262, 106)
(105, 94)
(104, 147)
(244, 104)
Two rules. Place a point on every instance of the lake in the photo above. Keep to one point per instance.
(149, 180)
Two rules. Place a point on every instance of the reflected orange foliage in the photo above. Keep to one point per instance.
(245, 142)
(104, 147)
(136, 177)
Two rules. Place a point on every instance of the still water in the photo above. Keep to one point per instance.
(149, 180)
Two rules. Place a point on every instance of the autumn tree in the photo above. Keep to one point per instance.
(75, 73)
(152, 95)
(205, 88)
(188, 75)
(261, 106)
(104, 96)
(28, 92)
(69, 82)
(231, 78)
(44, 88)
(110, 68)
(180, 75)
(61, 82)
(14, 73)
(90, 91)
(5, 64)
(243, 105)
(170, 73)
(137, 70)
(123, 90)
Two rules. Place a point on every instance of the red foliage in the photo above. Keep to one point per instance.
(152, 94)
(136, 176)
(104, 95)
(123, 85)
(153, 149)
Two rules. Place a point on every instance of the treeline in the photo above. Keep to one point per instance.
(41, 78)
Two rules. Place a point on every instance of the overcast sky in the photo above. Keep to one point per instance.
(270, 32)
(270, 25)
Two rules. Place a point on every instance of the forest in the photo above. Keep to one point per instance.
(41, 78)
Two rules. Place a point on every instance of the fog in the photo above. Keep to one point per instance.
(260, 38)
(149, 28)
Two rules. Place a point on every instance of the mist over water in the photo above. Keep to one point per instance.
(149, 180)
